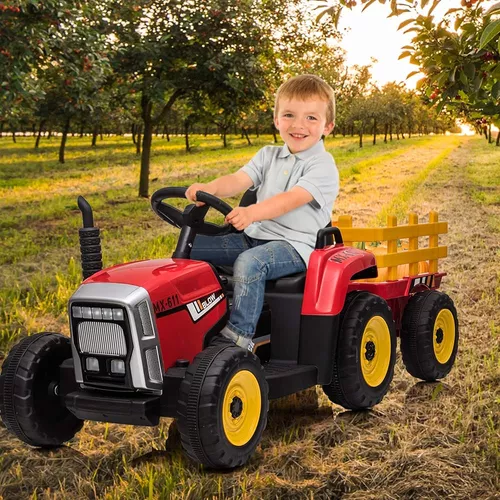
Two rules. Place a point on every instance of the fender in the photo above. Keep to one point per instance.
(329, 272)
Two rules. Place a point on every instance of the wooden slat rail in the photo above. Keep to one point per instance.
(392, 233)
(351, 234)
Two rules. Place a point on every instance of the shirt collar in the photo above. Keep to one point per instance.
(319, 147)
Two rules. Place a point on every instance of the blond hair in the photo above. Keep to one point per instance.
(305, 87)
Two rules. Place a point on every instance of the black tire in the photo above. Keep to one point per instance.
(204, 422)
(428, 350)
(362, 373)
(29, 405)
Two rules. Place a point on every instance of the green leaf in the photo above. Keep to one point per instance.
(452, 74)
(478, 82)
(404, 54)
(405, 23)
(368, 4)
(493, 9)
(413, 73)
(458, 22)
(434, 5)
(495, 90)
(489, 33)
(470, 71)
(463, 78)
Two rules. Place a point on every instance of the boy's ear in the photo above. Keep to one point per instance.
(328, 128)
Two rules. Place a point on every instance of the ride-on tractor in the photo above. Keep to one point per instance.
(144, 338)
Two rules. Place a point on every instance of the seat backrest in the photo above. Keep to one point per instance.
(248, 198)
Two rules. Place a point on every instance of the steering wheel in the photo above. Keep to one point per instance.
(192, 216)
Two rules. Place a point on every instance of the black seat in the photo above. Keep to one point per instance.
(288, 284)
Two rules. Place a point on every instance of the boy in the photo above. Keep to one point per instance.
(296, 187)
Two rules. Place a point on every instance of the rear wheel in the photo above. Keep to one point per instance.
(29, 403)
(366, 353)
(429, 335)
(222, 407)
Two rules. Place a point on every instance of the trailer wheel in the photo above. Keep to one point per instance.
(222, 407)
(366, 353)
(29, 404)
(429, 335)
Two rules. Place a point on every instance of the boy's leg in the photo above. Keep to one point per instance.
(220, 250)
(267, 261)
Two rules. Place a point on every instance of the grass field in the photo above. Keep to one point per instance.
(423, 441)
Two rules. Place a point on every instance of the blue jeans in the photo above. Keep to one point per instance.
(254, 261)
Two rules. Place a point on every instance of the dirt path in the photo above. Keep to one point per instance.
(364, 195)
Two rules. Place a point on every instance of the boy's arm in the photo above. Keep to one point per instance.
(223, 187)
(242, 217)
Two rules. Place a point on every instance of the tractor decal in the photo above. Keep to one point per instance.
(163, 305)
(198, 308)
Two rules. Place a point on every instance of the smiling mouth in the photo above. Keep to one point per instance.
(298, 136)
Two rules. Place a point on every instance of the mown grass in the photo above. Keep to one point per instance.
(423, 441)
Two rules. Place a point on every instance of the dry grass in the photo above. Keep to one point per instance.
(423, 441)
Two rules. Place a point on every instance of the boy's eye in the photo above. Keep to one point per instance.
(287, 115)
(311, 118)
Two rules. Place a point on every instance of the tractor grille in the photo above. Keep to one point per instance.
(153, 363)
(101, 338)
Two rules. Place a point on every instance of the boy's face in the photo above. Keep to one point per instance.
(302, 123)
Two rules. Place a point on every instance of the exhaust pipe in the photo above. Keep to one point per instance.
(90, 241)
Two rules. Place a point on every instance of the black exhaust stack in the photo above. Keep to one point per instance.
(90, 241)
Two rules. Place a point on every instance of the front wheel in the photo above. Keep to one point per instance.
(366, 353)
(30, 406)
(222, 407)
(429, 335)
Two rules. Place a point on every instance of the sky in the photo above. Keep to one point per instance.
(371, 34)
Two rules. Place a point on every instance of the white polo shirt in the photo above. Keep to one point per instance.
(275, 170)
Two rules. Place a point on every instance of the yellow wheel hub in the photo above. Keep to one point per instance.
(444, 335)
(375, 352)
(241, 408)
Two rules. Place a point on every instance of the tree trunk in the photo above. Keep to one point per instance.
(386, 131)
(138, 140)
(490, 140)
(485, 131)
(100, 132)
(374, 131)
(224, 137)
(245, 133)
(149, 122)
(1, 130)
(95, 133)
(146, 148)
(390, 131)
(63, 141)
(275, 137)
(257, 131)
(361, 136)
(39, 135)
(134, 140)
(186, 134)
(81, 129)
(498, 138)
(14, 136)
(167, 133)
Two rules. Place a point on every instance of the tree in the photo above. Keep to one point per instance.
(460, 55)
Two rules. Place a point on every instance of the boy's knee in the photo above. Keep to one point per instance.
(248, 266)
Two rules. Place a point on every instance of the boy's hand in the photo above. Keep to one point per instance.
(198, 186)
(241, 217)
